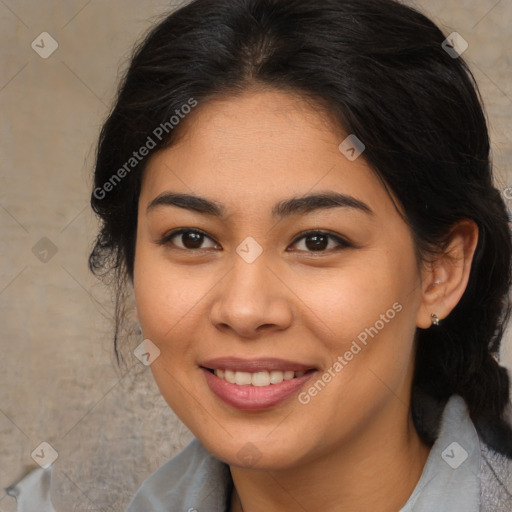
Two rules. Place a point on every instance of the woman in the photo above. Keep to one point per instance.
(300, 194)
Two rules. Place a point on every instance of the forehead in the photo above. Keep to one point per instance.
(259, 146)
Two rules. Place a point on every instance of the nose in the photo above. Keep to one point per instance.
(252, 300)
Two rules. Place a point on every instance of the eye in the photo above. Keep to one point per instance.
(318, 241)
(191, 239)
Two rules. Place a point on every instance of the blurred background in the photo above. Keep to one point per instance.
(60, 63)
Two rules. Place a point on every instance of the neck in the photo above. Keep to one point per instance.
(373, 472)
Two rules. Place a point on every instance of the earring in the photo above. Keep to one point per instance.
(435, 319)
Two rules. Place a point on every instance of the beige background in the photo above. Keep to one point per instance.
(58, 381)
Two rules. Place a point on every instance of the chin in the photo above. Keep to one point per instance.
(258, 454)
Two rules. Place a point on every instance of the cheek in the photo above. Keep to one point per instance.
(370, 315)
(370, 311)
(166, 300)
(164, 294)
(347, 301)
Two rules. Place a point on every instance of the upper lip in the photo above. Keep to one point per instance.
(254, 365)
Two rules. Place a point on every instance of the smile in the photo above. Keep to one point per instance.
(256, 384)
(258, 379)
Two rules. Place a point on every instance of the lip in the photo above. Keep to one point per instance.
(255, 365)
(254, 398)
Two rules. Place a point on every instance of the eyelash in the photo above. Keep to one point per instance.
(342, 243)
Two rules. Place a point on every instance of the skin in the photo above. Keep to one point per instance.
(249, 152)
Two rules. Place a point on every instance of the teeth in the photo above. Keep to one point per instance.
(257, 379)
(229, 376)
(260, 378)
(276, 377)
(243, 378)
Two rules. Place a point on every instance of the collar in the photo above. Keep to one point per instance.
(450, 479)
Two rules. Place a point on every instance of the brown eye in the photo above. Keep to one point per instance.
(318, 241)
(190, 239)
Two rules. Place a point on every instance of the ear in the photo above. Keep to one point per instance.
(444, 279)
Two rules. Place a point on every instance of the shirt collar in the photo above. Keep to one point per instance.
(450, 479)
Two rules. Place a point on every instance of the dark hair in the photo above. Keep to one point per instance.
(380, 69)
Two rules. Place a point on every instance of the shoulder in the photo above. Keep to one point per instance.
(495, 481)
(494, 469)
(462, 472)
(192, 480)
(495, 472)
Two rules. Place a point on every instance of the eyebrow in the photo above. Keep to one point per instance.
(295, 205)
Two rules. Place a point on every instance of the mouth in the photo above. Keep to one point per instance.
(255, 384)
(259, 378)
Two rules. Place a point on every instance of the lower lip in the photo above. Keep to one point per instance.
(254, 397)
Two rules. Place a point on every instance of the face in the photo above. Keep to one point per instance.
(262, 281)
